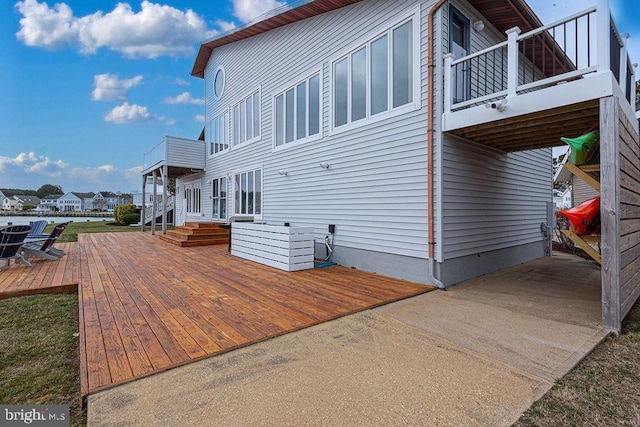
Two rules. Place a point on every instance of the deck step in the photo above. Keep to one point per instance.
(197, 234)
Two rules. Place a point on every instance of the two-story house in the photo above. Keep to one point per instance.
(419, 130)
(49, 203)
(73, 201)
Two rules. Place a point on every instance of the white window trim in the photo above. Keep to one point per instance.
(417, 81)
(232, 124)
(232, 178)
(281, 91)
(215, 199)
(228, 135)
(184, 189)
(213, 82)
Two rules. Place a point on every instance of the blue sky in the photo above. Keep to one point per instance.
(88, 86)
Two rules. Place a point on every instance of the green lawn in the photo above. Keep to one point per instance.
(603, 390)
(70, 233)
(39, 361)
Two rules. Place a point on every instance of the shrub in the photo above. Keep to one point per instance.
(131, 218)
(121, 210)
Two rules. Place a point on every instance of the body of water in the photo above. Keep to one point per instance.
(24, 220)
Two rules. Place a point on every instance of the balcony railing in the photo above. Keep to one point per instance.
(561, 51)
(176, 152)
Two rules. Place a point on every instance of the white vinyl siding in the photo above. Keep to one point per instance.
(375, 188)
(376, 77)
(492, 200)
(581, 191)
(297, 112)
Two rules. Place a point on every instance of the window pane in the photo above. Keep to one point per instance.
(225, 133)
(243, 117)
(243, 208)
(279, 120)
(359, 85)
(379, 75)
(289, 98)
(249, 116)
(250, 193)
(223, 198)
(256, 114)
(402, 65)
(314, 105)
(258, 192)
(301, 110)
(236, 125)
(340, 93)
(238, 195)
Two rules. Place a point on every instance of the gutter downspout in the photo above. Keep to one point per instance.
(430, 132)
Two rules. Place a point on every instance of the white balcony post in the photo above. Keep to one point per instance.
(512, 60)
(448, 59)
(603, 35)
(624, 63)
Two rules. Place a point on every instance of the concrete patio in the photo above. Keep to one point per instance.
(478, 354)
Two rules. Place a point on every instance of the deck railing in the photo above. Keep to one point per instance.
(157, 154)
(561, 51)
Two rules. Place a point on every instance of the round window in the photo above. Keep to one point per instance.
(218, 83)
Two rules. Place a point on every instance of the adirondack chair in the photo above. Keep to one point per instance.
(37, 228)
(11, 241)
(43, 248)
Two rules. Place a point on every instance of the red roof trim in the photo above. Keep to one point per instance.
(503, 14)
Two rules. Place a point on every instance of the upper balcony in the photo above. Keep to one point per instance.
(530, 90)
(181, 156)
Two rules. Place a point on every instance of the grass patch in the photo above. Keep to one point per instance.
(70, 234)
(40, 361)
(603, 390)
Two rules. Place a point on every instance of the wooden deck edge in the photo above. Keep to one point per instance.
(59, 289)
(427, 288)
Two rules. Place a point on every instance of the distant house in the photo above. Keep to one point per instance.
(106, 200)
(73, 201)
(49, 203)
(27, 200)
(8, 194)
(579, 190)
(11, 204)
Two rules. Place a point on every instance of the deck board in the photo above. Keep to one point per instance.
(44, 276)
(147, 306)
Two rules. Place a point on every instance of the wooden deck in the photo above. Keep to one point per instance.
(147, 306)
(43, 277)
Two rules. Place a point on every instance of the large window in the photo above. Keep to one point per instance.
(297, 112)
(217, 133)
(192, 196)
(219, 198)
(375, 78)
(246, 119)
(248, 193)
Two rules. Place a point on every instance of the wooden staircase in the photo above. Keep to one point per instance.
(197, 234)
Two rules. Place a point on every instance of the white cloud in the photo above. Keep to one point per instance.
(184, 98)
(153, 31)
(108, 87)
(29, 170)
(126, 113)
(181, 82)
(225, 25)
(200, 118)
(248, 10)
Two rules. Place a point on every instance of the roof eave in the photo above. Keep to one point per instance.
(279, 17)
